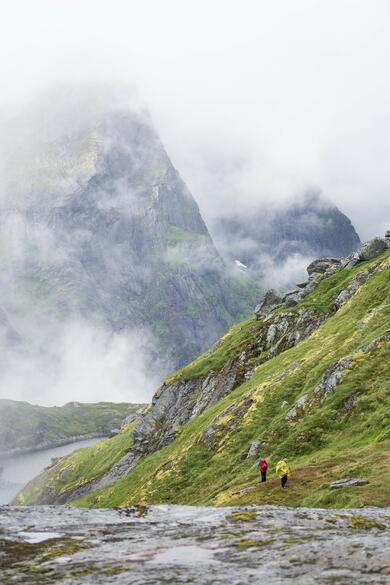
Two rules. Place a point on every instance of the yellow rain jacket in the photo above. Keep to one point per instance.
(282, 469)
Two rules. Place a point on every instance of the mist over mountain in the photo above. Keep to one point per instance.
(104, 250)
(277, 240)
(110, 276)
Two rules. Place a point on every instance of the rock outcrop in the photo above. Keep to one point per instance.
(270, 301)
(367, 251)
(176, 402)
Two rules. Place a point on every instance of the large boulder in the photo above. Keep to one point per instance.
(323, 265)
(367, 251)
(255, 448)
(372, 249)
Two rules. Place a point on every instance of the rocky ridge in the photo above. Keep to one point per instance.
(228, 374)
(176, 402)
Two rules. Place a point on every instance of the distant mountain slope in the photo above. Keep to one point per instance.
(309, 226)
(26, 427)
(308, 380)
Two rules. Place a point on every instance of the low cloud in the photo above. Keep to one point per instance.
(82, 362)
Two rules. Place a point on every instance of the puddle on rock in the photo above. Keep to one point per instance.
(184, 555)
(35, 537)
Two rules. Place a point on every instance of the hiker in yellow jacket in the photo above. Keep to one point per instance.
(282, 471)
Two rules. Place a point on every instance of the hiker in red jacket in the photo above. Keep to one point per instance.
(263, 466)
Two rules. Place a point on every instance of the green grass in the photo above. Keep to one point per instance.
(176, 235)
(80, 467)
(230, 345)
(325, 443)
(240, 335)
(24, 425)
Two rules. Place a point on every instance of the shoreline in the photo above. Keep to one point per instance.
(52, 444)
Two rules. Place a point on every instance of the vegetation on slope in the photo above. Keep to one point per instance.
(81, 467)
(238, 337)
(27, 426)
(340, 431)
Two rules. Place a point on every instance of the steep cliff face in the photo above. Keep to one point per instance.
(103, 228)
(306, 378)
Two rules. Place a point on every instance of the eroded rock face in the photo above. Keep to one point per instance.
(180, 544)
(175, 403)
(329, 380)
(270, 301)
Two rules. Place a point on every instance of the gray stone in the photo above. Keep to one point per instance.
(323, 264)
(298, 407)
(292, 299)
(333, 376)
(347, 482)
(270, 301)
(351, 289)
(183, 544)
(367, 251)
(372, 248)
(346, 406)
(255, 448)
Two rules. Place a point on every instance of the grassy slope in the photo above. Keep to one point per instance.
(25, 425)
(321, 444)
(80, 467)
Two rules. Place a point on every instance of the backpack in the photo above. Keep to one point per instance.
(263, 464)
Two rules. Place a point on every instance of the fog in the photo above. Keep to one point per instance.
(256, 103)
(253, 99)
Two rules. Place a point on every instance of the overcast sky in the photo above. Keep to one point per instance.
(253, 99)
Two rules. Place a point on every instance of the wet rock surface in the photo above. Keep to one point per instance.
(178, 544)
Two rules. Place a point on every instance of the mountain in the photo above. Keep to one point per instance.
(28, 427)
(307, 227)
(98, 226)
(306, 378)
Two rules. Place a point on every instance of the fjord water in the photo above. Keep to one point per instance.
(17, 470)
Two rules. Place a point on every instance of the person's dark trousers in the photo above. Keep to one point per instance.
(263, 476)
(283, 480)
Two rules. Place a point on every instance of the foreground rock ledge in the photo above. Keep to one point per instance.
(179, 544)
